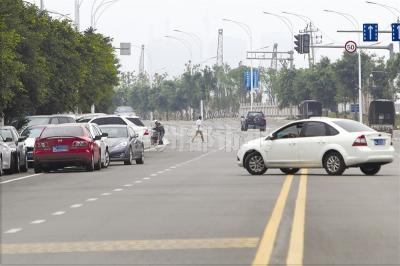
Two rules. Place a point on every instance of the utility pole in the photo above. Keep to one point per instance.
(311, 56)
(41, 5)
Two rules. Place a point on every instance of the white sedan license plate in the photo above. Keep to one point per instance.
(60, 148)
(379, 141)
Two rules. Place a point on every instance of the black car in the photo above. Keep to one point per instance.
(254, 119)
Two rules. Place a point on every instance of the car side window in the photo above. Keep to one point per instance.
(63, 120)
(314, 129)
(97, 130)
(291, 131)
(54, 120)
(331, 131)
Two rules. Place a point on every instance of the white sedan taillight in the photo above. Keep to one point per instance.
(360, 141)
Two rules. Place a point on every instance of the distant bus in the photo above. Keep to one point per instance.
(381, 115)
(310, 108)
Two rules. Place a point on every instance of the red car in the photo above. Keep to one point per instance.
(66, 145)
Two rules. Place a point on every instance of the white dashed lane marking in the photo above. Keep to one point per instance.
(58, 213)
(92, 199)
(160, 172)
(38, 222)
(13, 230)
(128, 185)
(153, 175)
(106, 194)
(138, 181)
(76, 205)
(118, 189)
(146, 178)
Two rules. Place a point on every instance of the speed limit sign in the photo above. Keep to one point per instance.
(350, 47)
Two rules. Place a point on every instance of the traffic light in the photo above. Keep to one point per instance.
(299, 43)
(302, 43)
(306, 43)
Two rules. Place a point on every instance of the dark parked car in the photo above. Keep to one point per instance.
(381, 115)
(255, 120)
(124, 144)
(66, 145)
(19, 160)
(310, 108)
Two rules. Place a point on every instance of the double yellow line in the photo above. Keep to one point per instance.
(296, 245)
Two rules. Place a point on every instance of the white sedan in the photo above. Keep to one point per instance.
(333, 144)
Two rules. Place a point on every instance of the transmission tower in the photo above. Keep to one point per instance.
(141, 61)
(220, 49)
(274, 59)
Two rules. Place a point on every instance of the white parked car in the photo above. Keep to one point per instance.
(141, 129)
(5, 157)
(102, 142)
(333, 144)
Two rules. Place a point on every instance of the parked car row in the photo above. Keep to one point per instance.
(92, 142)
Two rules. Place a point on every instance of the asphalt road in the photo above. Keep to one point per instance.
(189, 204)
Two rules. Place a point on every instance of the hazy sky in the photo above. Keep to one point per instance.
(148, 21)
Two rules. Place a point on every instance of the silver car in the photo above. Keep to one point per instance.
(124, 144)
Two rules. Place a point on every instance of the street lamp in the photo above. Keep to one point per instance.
(104, 3)
(247, 29)
(356, 26)
(78, 4)
(183, 43)
(195, 38)
(289, 25)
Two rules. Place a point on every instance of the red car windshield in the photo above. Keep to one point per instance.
(74, 131)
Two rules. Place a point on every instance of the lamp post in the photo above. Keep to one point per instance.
(247, 29)
(78, 4)
(183, 43)
(289, 25)
(195, 38)
(390, 9)
(356, 26)
(95, 9)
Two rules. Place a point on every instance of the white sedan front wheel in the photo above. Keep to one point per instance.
(254, 164)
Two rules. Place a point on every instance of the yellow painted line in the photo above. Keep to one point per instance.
(268, 239)
(296, 246)
(128, 245)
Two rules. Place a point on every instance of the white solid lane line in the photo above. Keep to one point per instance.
(58, 213)
(92, 199)
(76, 205)
(37, 221)
(13, 230)
(19, 178)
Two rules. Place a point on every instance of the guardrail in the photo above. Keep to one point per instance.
(269, 110)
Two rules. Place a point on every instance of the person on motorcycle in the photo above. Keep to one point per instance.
(161, 131)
